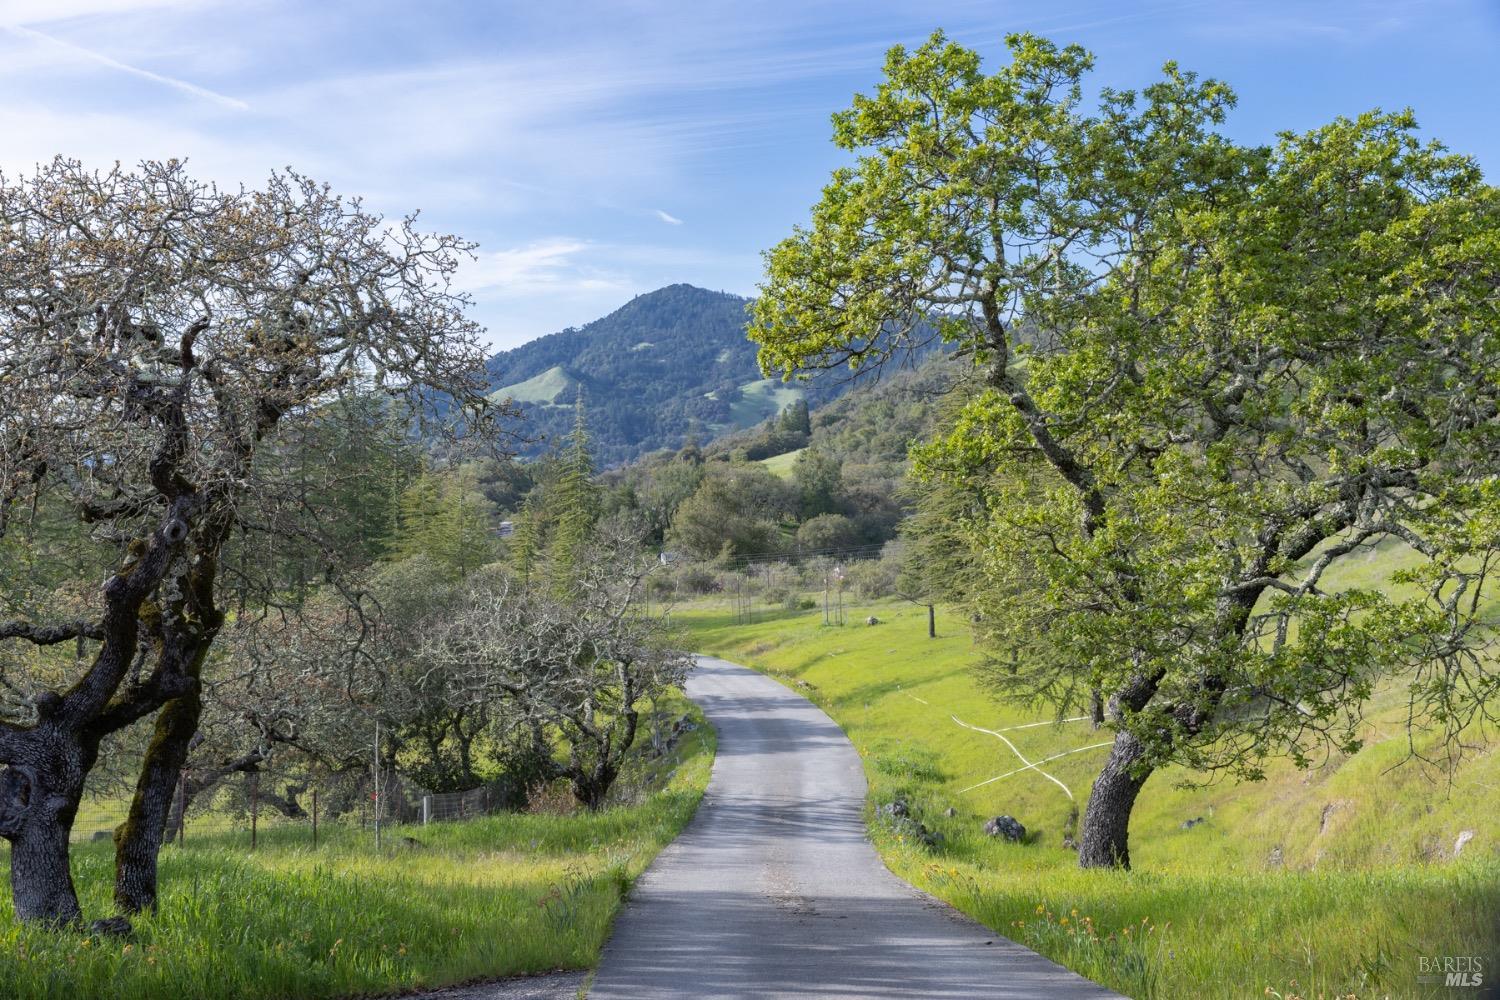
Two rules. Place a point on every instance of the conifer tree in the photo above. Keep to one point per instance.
(446, 517)
(574, 504)
(528, 539)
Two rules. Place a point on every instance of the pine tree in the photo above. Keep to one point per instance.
(795, 418)
(462, 533)
(445, 516)
(528, 540)
(418, 507)
(573, 504)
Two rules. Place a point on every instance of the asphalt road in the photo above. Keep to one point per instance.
(774, 891)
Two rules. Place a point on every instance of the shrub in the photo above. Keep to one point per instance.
(828, 531)
(697, 579)
(872, 578)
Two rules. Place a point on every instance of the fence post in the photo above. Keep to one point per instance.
(931, 622)
(315, 815)
(254, 805)
(426, 809)
(375, 783)
(181, 805)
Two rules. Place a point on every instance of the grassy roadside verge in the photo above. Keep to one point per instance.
(1329, 883)
(503, 895)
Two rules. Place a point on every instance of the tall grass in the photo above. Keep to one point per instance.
(440, 904)
(1331, 882)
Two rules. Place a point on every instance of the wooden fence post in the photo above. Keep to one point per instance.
(181, 806)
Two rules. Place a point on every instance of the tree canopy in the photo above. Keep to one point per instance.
(167, 349)
(1207, 372)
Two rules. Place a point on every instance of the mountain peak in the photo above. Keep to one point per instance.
(668, 365)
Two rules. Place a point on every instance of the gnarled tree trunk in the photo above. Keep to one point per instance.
(1106, 820)
(41, 789)
(138, 840)
(39, 796)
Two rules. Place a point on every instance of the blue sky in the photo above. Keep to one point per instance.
(597, 150)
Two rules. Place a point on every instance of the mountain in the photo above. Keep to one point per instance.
(667, 366)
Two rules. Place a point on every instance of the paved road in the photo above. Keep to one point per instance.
(773, 890)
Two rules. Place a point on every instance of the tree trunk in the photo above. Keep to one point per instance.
(182, 800)
(40, 880)
(38, 802)
(591, 790)
(138, 840)
(1106, 821)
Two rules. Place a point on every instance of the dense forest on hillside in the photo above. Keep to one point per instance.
(802, 481)
(668, 366)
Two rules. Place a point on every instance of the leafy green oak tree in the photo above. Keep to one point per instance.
(1206, 375)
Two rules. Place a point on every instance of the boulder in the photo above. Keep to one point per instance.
(895, 809)
(872, 620)
(910, 829)
(1189, 824)
(950, 812)
(1005, 826)
(1463, 838)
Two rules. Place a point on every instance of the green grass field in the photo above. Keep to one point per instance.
(543, 388)
(760, 399)
(781, 465)
(503, 895)
(1330, 882)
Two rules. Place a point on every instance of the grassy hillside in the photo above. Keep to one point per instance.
(1330, 882)
(759, 400)
(543, 388)
(781, 465)
(482, 898)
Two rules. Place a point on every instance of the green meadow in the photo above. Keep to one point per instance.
(1330, 882)
(447, 903)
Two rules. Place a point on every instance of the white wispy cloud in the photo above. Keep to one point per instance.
(670, 220)
(539, 268)
(41, 11)
(91, 55)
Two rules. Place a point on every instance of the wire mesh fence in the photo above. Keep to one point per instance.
(245, 807)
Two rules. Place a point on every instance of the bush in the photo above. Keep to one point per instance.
(697, 579)
(872, 578)
(828, 531)
(779, 595)
(734, 511)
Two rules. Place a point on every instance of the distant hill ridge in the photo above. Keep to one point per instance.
(667, 366)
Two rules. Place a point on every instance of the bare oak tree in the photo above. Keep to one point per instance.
(579, 667)
(155, 334)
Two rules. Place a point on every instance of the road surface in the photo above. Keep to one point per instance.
(774, 891)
